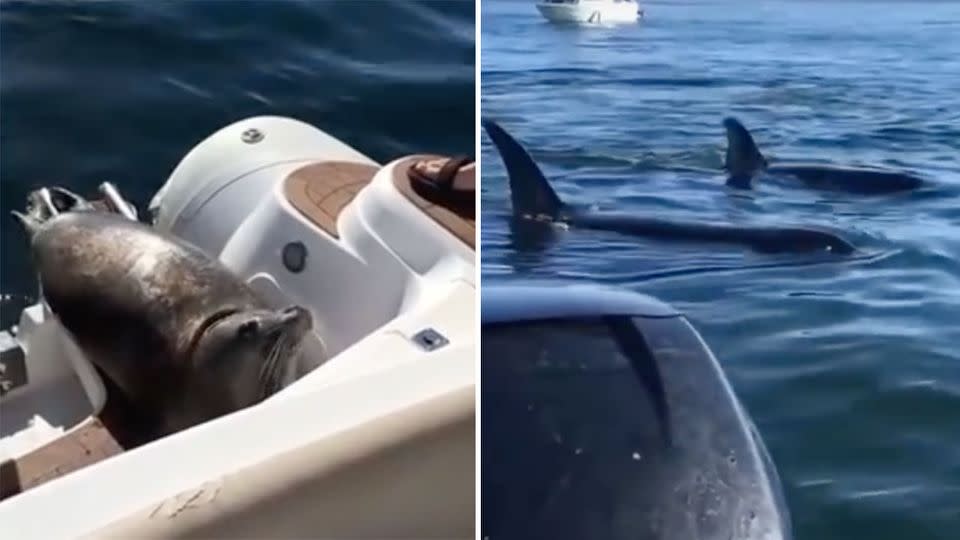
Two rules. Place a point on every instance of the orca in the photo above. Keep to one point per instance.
(744, 164)
(533, 199)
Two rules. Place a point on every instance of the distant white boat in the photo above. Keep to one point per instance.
(590, 11)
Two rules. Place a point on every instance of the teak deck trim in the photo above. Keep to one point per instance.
(321, 191)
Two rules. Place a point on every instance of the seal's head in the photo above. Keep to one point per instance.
(249, 354)
(744, 160)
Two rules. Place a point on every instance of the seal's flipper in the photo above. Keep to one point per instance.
(30, 223)
(40, 205)
(743, 160)
(530, 192)
(67, 201)
(45, 203)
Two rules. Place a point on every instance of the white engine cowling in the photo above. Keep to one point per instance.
(228, 197)
(217, 184)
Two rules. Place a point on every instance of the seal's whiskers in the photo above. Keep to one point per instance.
(269, 371)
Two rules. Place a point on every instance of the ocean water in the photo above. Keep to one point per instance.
(122, 90)
(849, 366)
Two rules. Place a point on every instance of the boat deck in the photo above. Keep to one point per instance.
(321, 191)
(110, 433)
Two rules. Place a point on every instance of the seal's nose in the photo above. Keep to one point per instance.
(297, 314)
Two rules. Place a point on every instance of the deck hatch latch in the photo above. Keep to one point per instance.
(429, 339)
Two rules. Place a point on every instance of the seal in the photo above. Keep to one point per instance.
(183, 338)
(532, 197)
(744, 163)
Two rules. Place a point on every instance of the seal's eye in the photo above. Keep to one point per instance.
(249, 329)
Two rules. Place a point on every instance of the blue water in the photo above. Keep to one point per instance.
(851, 368)
(121, 90)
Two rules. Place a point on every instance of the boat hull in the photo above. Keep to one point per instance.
(587, 12)
(390, 280)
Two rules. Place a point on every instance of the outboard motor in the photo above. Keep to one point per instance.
(225, 176)
(605, 415)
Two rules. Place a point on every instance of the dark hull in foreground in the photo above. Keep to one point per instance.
(532, 196)
(605, 415)
(744, 164)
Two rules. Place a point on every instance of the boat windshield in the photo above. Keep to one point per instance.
(616, 427)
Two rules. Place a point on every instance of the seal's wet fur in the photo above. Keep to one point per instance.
(178, 333)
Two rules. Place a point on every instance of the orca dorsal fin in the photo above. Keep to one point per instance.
(530, 192)
(743, 160)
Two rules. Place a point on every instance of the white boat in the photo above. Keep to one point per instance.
(590, 11)
(376, 442)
